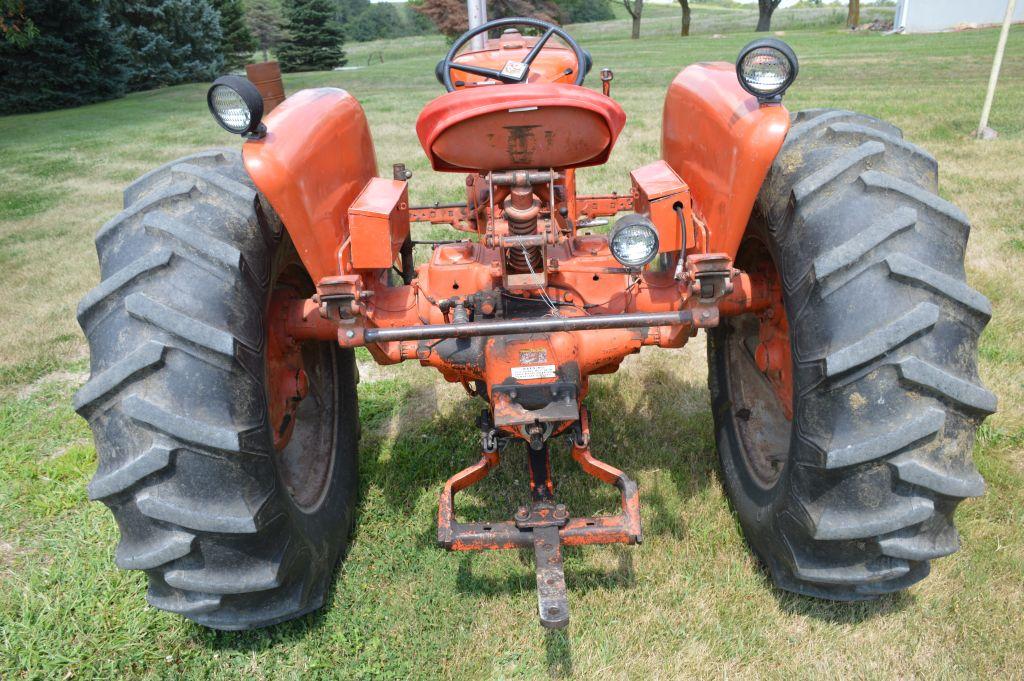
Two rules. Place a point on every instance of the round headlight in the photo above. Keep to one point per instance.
(634, 241)
(766, 68)
(237, 105)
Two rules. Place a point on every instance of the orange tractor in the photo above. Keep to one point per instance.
(812, 249)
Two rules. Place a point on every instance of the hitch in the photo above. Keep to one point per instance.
(545, 525)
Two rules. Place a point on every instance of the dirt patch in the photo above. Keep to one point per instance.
(75, 378)
(371, 372)
(9, 554)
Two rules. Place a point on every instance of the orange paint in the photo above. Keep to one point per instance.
(533, 125)
(722, 143)
(316, 158)
(378, 223)
(550, 65)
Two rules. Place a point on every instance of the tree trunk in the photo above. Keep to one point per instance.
(853, 18)
(685, 29)
(764, 13)
(266, 57)
(636, 10)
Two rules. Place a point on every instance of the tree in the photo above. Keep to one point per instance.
(349, 10)
(236, 42)
(451, 18)
(684, 31)
(171, 41)
(765, 9)
(70, 60)
(264, 20)
(379, 20)
(315, 38)
(583, 11)
(15, 27)
(853, 16)
(636, 10)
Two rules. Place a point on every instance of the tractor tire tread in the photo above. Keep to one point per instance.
(176, 402)
(884, 331)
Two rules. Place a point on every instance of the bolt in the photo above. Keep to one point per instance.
(350, 334)
(522, 513)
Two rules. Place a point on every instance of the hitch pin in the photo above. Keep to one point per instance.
(606, 81)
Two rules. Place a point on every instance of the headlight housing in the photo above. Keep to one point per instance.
(634, 241)
(237, 106)
(766, 68)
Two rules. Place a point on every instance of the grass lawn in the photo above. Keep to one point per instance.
(690, 602)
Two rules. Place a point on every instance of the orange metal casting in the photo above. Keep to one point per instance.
(533, 125)
(378, 223)
(344, 219)
(657, 191)
(287, 382)
(316, 158)
(721, 141)
(623, 528)
(460, 481)
(774, 353)
(554, 64)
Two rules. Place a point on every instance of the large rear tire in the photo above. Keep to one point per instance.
(854, 495)
(232, 532)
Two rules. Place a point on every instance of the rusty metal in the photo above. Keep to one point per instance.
(521, 209)
(544, 526)
(509, 327)
(454, 214)
(603, 205)
(266, 76)
(607, 75)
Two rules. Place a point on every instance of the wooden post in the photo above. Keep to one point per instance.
(477, 10)
(984, 132)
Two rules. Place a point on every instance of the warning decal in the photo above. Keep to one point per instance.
(535, 371)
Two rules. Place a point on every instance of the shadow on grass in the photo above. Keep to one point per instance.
(839, 612)
(647, 422)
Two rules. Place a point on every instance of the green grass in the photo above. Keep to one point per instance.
(690, 602)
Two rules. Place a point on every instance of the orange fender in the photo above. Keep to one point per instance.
(721, 142)
(314, 161)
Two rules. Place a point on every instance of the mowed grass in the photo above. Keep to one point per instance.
(690, 602)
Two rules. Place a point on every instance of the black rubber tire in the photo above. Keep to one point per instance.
(883, 334)
(178, 405)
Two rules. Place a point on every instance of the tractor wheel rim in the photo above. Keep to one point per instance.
(760, 375)
(306, 459)
(302, 381)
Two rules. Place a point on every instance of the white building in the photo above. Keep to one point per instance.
(925, 16)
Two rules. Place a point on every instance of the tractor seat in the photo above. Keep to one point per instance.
(512, 127)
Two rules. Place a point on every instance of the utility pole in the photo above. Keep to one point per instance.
(477, 10)
(985, 132)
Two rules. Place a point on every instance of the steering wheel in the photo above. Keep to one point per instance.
(513, 71)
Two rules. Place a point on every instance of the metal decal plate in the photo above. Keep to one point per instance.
(514, 69)
(534, 371)
(533, 356)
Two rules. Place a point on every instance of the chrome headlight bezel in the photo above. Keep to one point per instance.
(633, 226)
(767, 47)
(251, 124)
